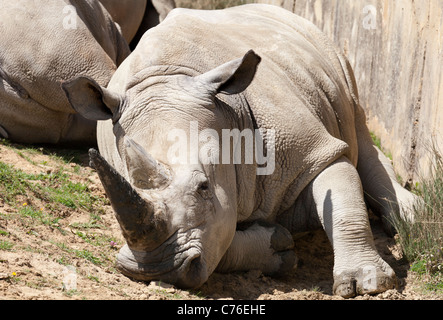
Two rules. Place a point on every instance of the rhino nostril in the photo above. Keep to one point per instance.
(195, 264)
(196, 273)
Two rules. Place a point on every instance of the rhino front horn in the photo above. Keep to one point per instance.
(143, 228)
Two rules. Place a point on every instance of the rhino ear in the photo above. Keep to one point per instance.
(232, 77)
(91, 100)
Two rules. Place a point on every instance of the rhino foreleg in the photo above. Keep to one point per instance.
(339, 202)
(261, 246)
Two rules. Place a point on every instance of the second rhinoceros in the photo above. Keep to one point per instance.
(188, 201)
(41, 44)
(45, 42)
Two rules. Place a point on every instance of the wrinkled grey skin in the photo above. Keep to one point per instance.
(38, 49)
(135, 17)
(183, 221)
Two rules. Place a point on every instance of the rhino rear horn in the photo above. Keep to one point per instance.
(144, 171)
(143, 228)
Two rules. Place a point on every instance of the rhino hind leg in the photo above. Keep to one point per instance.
(338, 197)
(260, 246)
(385, 196)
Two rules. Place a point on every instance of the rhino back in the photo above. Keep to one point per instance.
(301, 89)
(38, 51)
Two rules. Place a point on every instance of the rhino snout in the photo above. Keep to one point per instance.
(185, 270)
(194, 274)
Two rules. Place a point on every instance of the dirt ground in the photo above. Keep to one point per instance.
(62, 262)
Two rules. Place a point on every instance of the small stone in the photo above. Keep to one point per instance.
(4, 276)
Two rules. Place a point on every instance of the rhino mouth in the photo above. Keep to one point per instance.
(185, 268)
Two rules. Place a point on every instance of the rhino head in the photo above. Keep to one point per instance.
(178, 219)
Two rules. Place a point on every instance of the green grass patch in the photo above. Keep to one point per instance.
(377, 142)
(38, 215)
(422, 241)
(12, 183)
(55, 188)
(6, 245)
(87, 255)
(97, 240)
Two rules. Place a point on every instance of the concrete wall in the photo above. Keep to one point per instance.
(396, 49)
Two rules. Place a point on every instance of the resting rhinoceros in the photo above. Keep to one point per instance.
(135, 17)
(41, 44)
(188, 204)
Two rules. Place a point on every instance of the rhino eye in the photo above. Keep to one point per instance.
(204, 191)
(204, 186)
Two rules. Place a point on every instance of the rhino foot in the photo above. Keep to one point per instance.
(282, 244)
(366, 280)
(260, 246)
(287, 265)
